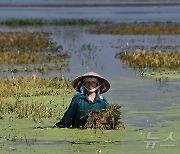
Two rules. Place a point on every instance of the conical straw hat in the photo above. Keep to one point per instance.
(105, 85)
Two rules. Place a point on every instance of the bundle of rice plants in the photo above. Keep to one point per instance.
(108, 119)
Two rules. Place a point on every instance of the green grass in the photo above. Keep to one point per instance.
(33, 86)
(17, 93)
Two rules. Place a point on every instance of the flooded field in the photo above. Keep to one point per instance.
(111, 10)
(31, 101)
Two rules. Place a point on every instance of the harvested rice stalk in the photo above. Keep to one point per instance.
(105, 119)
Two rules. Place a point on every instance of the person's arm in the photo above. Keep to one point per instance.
(106, 104)
(69, 115)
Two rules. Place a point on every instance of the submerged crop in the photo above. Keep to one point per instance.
(41, 22)
(26, 42)
(160, 65)
(16, 97)
(31, 51)
(33, 86)
(30, 58)
(150, 60)
(149, 28)
(36, 111)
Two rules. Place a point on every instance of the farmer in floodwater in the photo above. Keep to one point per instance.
(90, 87)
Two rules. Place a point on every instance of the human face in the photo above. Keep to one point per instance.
(90, 85)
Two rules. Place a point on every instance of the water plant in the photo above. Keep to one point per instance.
(15, 92)
(106, 119)
(26, 42)
(150, 60)
(41, 22)
(19, 50)
(142, 28)
(34, 86)
(30, 58)
(36, 111)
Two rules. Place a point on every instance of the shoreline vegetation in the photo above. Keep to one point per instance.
(141, 28)
(55, 22)
(103, 27)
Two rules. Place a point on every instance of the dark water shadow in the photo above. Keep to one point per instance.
(30, 142)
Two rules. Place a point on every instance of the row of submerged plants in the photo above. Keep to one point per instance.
(32, 110)
(30, 58)
(150, 60)
(141, 28)
(27, 42)
(14, 103)
(162, 65)
(31, 51)
(15, 92)
(41, 22)
(34, 86)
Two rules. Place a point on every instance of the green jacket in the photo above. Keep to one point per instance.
(77, 113)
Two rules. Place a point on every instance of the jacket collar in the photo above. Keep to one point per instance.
(97, 98)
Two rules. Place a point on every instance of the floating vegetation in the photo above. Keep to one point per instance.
(41, 22)
(150, 60)
(159, 65)
(144, 28)
(26, 42)
(35, 111)
(34, 86)
(105, 119)
(162, 74)
(27, 48)
(29, 58)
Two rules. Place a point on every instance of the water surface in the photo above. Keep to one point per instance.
(118, 13)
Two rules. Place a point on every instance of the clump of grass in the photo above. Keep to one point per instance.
(106, 119)
(35, 111)
(149, 28)
(30, 58)
(23, 22)
(34, 86)
(26, 42)
(81, 22)
(150, 60)
(41, 68)
(17, 48)
(41, 22)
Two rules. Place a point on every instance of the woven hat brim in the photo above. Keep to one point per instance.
(105, 85)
